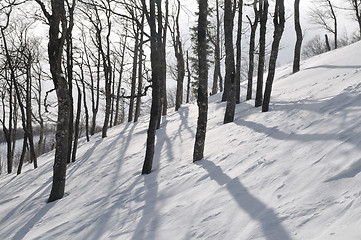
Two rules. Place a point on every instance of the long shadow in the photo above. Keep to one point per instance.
(335, 66)
(270, 223)
(183, 114)
(115, 200)
(21, 233)
(275, 133)
(148, 224)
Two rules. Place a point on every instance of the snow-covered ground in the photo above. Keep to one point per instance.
(291, 173)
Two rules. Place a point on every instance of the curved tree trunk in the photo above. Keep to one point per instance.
(279, 24)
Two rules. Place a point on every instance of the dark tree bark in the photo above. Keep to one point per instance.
(230, 78)
(328, 46)
(157, 65)
(178, 52)
(8, 131)
(279, 25)
(263, 10)
(189, 76)
(57, 33)
(107, 68)
(77, 125)
(164, 31)
(22, 156)
(239, 52)
(86, 111)
(70, 64)
(119, 89)
(217, 54)
(140, 72)
(299, 38)
(202, 100)
(134, 76)
(253, 25)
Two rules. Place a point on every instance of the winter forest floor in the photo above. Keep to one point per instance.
(290, 173)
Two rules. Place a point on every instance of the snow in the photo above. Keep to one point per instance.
(290, 173)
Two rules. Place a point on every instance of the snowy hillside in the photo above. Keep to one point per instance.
(291, 173)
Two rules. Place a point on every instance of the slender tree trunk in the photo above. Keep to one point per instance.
(116, 117)
(107, 72)
(164, 59)
(230, 68)
(239, 52)
(77, 125)
(156, 54)
(328, 46)
(22, 156)
(69, 63)
(178, 50)
(140, 72)
(85, 102)
(134, 77)
(217, 57)
(263, 9)
(298, 45)
(203, 83)
(252, 50)
(189, 74)
(279, 24)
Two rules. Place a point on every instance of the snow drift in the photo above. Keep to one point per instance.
(290, 173)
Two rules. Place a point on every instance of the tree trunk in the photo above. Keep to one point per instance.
(279, 24)
(140, 72)
(230, 68)
(328, 46)
(116, 117)
(263, 9)
(252, 50)
(297, 54)
(156, 64)
(217, 57)
(77, 125)
(58, 24)
(203, 82)
(189, 74)
(178, 50)
(134, 77)
(239, 52)
(22, 156)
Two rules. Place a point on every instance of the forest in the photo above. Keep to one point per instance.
(72, 68)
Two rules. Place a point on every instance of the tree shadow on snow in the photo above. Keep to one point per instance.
(335, 67)
(267, 218)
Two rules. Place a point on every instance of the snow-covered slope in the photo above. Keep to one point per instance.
(291, 173)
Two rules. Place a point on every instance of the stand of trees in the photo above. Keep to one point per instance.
(108, 58)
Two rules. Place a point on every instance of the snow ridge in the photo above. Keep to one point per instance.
(291, 173)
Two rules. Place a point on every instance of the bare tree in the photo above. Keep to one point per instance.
(279, 25)
(203, 82)
(323, 14)
(156, 63)
(263, 15)
(178, 52)
(57, 34)
(230, 64)
(299, 37)
(252, 44)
